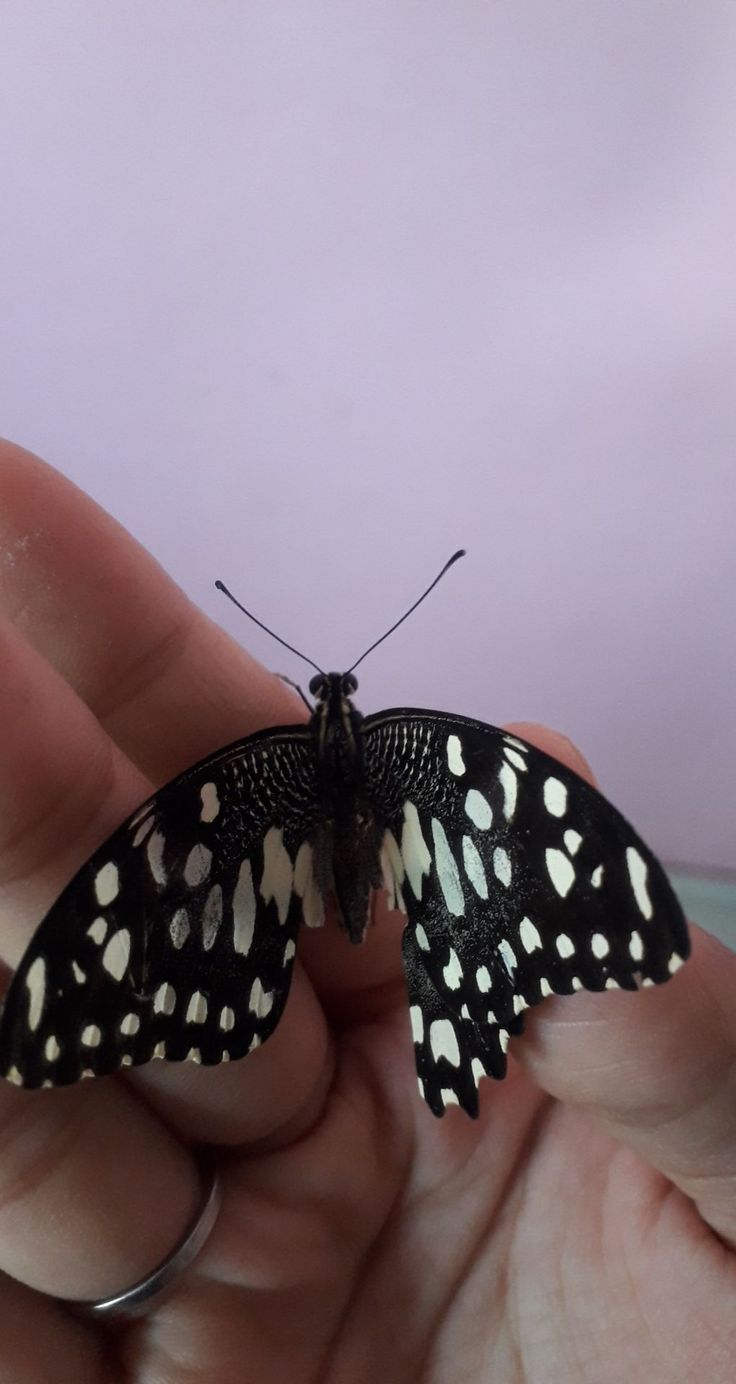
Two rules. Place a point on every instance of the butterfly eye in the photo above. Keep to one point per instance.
(317, 684)
(349, 684)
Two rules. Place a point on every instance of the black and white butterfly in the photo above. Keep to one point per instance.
(177, 938)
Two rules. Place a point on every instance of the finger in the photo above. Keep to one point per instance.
(41, 1343)
(168, 685)
(64, 785)
(656, 1067)
(94, 1192)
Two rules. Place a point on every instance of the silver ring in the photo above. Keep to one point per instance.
(135, 1299)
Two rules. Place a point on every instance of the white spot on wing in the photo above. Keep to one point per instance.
(519, 744)
(414, 852)
(443, 1041)
(52, 1049)
(638, 874)
(98, 930)
(303, 869)
(508, 956)
(596, 878)
(421, 936)
(211, 916)
(502, 865)
(197, 1008)
(394, 855)
(453, 971)
(572, 840)
(155, 857)
(447, 871)
(107, 883)
(210, 802)
(278, 873)
(674, 963)
(129, 1025)
(478, 1070)
(305, 887)
(164, 999)
(260, 1001)
(455, 760)
(478, 809)
(529, 934)
(636, 947)
(516, 759)
(116, 955)
(509, 783)
(545, 987)
(227, 1019)
(600, 946)
(244, 910)
(417, 1023)
(197, 865)
(179, 928)
(483, 979)
(474, 868)
(555, 797)
(565, 946)
(142, 830)
(36, 986)
(392, 870)
(560, 870)
(91, 1036)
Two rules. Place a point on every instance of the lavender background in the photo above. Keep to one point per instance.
(308, 294)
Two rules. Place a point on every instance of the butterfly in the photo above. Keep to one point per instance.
(177, 939)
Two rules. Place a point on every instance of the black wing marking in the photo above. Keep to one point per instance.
(177, 937)
(519, 881)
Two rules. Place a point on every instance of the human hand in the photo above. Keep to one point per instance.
(582, 1229)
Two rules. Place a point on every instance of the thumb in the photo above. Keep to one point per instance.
(657, 1068)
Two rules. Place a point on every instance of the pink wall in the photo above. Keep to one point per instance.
(309, 294)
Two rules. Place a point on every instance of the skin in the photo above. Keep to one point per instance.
(582, 1229)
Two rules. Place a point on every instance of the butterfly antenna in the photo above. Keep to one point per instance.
(222, 587)
(455, 557)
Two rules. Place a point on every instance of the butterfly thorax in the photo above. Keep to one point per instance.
(347, 844)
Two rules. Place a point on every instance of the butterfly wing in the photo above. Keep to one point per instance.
(177, 937)
(519, 881)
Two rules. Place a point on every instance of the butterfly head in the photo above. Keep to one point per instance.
(333, 688)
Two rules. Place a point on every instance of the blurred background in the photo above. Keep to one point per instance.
(310, 294)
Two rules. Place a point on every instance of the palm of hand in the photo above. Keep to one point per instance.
(386, 1245)
(579, 1230)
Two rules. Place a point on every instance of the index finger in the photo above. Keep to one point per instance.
(166, 683)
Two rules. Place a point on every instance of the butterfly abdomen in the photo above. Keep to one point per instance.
(347, 848)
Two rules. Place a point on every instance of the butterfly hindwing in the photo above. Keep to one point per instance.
(519, 881)
(177, 938)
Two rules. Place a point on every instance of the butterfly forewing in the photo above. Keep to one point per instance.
(519, 881)
(177, 938)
